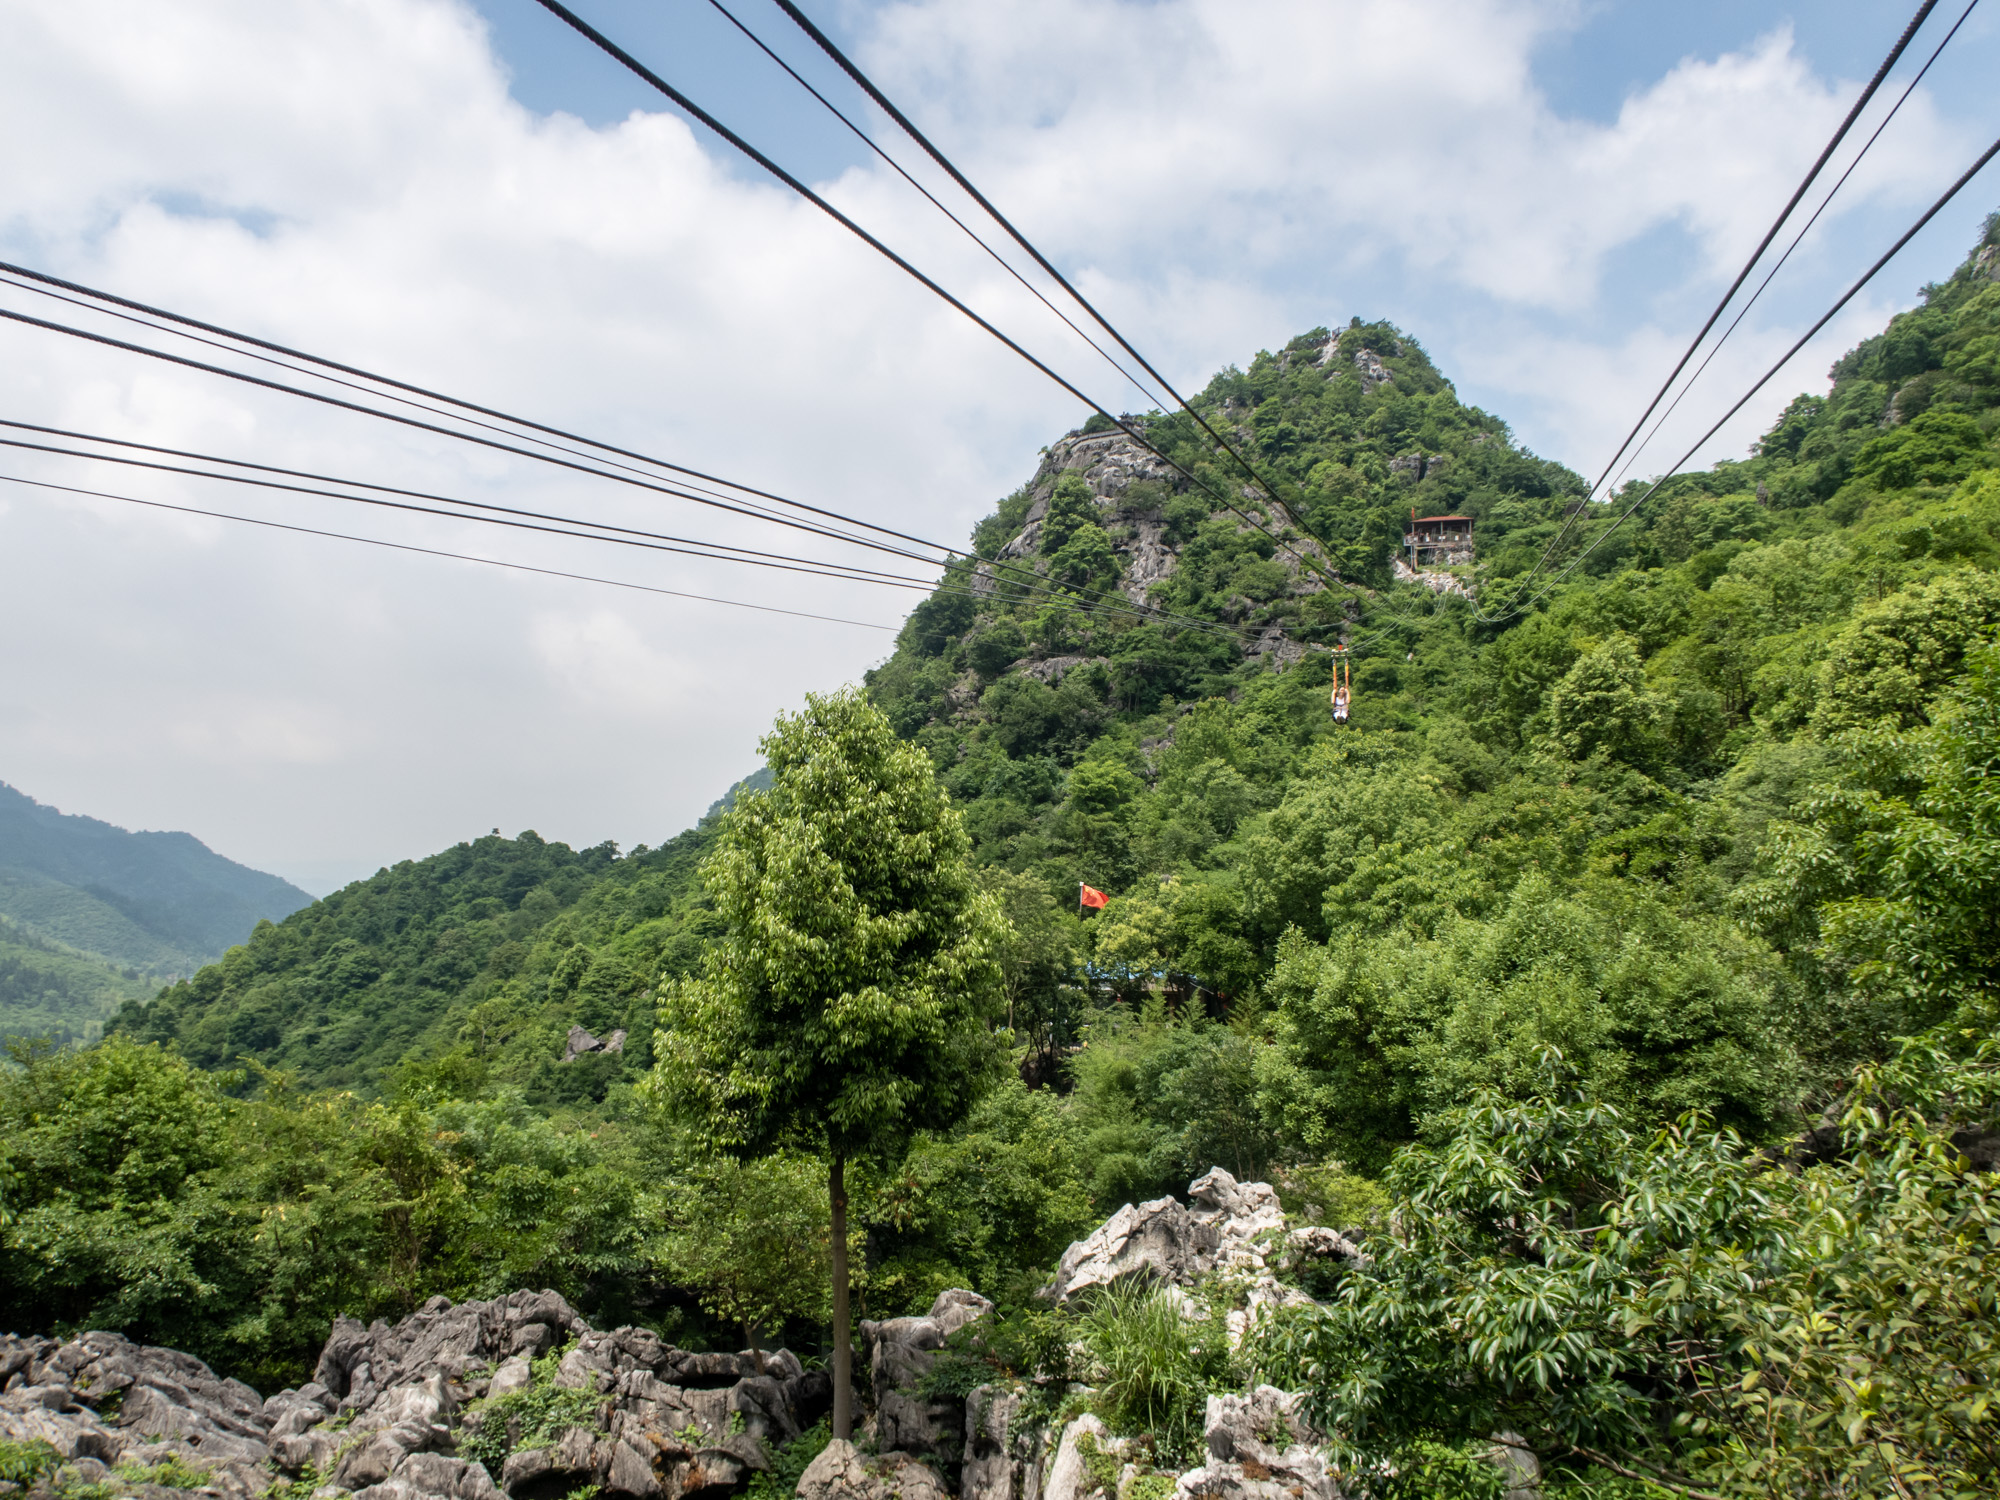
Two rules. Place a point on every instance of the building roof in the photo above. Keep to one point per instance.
(1420, 520)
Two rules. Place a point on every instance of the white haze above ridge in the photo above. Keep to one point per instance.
(352, 176)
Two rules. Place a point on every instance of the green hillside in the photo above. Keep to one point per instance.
(1591, 777)
(49, 992)
(83, 921)
(161, 902)
(1706, 826)
(484, 956)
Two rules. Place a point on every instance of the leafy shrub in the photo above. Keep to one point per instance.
(1029, 1343)
(27, 1463)
(171, 1473)
(1673, 1303)
(533, 1417)
(1434, 1471)
(788, 1463)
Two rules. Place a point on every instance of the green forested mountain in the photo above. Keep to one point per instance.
(47, 990)
(149, 899)
(1704, 826)
(88, 912)
(477, 961)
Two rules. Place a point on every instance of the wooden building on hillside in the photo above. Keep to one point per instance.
(1438, 541)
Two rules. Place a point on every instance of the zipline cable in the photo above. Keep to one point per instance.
(1831, 193)
(898, 168)
(387, 489)
(491, 562)
(417, 390)
(1770, 374)
(744, 507)
(1847, 124)
(42, 284)
(908, 127)
(810, 566)
(678, 492)
(1135, 431)
(1095, 605)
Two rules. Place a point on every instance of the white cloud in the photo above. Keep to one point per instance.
(351, 176)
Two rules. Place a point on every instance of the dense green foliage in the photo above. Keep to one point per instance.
(1673, 1298)
(1715, 821)
(471, 965)
(532, 1416)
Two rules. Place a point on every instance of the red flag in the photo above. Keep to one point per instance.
(1090, 895)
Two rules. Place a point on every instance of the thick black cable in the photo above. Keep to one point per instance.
(644, 588)
(388, 489)
(491, 562)
(908, 127)
(466, 437)
(1033, 585)
(743, 507)
(1839, 135)
(752, 559)
(897, 167)
(485, 411)
(625, 59)
(1765, 379)
(756, 512)
(1797, 239)
(1095, 605)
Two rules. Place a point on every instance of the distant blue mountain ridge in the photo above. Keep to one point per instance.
(155, 902)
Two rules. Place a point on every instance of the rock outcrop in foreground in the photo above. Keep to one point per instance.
(390, 1413)
(450, 1404)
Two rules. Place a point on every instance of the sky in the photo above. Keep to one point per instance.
(1548, 194)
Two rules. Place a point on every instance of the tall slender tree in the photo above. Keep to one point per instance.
(851, 998)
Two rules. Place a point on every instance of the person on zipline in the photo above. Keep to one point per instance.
(1343, 687)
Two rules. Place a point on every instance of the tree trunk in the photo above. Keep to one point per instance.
(843, 1352)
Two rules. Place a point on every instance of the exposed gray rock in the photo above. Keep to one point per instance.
(1069, 1476)
(843, 1472)
(433, 1476)
(1434, 579)
(1053, 669)
(1003, 1456)
(1148, 558)
(544, 1473)
(1224, 1231)
(1158, 1239)
(169, 1405)
(1232, 1229)
(383, 1415)
(1260, 1448)
(1511, 1455)
(902, 1351)
(1109, 462)
(413, 1418)
(1416, 466)
(581, 1043)
(358, 1363)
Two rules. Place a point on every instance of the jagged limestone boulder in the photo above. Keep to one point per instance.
(902, 1351)
(101, 1399)
(390, 1405)
(844, 1472)
(1003, 1455)
(1260, 1448)
(1158, 1239)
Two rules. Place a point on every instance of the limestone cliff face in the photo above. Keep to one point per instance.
(1111, 463)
